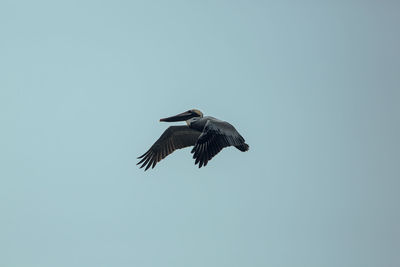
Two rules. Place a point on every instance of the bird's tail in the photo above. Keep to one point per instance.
(243, 147)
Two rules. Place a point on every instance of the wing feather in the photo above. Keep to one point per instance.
(216, 135)
(175, 137)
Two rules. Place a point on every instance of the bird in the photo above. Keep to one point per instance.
(207, 135)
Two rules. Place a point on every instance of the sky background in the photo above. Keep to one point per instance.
(314, 88)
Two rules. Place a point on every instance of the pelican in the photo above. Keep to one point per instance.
(208, 135)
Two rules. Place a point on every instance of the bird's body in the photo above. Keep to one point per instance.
(207, 134)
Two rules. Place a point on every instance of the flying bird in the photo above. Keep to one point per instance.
(208, 135)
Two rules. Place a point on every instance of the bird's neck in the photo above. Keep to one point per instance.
(191, 120)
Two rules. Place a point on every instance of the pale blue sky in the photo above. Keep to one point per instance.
(313, 88)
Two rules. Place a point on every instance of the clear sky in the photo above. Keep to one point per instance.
(314, 88)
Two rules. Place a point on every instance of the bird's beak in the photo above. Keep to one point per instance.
(180, 117)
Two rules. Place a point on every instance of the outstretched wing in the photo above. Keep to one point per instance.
(216, 135)
(175, 137)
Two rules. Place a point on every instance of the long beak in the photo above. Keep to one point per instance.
(180, 117)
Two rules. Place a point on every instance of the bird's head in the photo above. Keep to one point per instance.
(184, 116)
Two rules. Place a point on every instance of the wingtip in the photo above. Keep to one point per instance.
(243, 147)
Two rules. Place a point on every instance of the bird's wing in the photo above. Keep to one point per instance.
(215, 136)
(175, 137)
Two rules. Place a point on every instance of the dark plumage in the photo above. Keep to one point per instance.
(207, 134)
